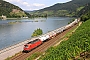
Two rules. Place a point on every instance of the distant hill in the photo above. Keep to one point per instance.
(64, 9)
(29, 11)
(10, 10)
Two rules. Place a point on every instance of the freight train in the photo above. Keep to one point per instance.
(35, 43)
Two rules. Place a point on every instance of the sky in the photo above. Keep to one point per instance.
(31, 5)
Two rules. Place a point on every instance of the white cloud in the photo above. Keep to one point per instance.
(38, 5)
(26, 5)
(13, 0)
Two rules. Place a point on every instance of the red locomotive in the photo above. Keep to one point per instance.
(31, 45)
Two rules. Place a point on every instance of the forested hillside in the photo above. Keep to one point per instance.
(64, 9)
(10, 10)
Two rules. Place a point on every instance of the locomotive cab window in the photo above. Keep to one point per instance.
(26, 46)
(31, 42)
(36, 40)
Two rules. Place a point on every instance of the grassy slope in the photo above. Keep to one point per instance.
(77, 43)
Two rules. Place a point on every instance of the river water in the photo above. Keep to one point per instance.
(15, 31)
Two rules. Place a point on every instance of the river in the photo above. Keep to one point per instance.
(15, 31)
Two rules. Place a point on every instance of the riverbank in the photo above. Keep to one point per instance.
(12, 18)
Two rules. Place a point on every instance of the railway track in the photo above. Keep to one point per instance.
(42, 48)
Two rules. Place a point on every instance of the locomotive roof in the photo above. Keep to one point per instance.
(31, 42)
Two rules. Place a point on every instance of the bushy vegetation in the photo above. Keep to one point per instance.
(77, 43)
(37, 32)
(84, 13)
(85, 17)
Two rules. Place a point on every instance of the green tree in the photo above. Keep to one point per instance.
(37, 32)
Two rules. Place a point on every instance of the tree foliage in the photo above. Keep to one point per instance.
(37, 32)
